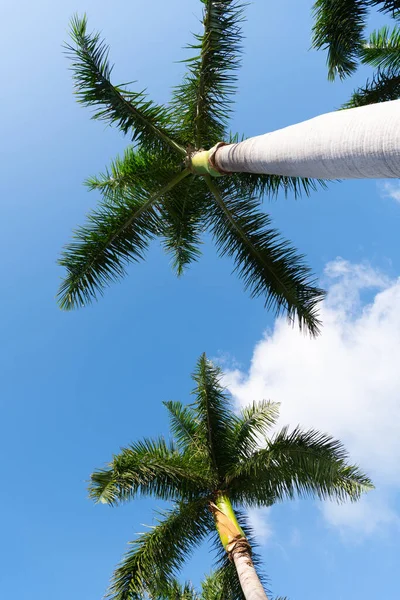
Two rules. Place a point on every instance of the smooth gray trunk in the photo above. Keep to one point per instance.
(249, 581)
(356, 143)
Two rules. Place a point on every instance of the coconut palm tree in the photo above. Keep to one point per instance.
(217, 463)
(339, 28)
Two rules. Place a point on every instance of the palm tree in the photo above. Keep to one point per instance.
(339, 28)
(185, 173)
(162, 186)
(217, 463)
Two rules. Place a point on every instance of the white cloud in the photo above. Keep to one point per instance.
(259, 522)
(346, 382)
(369, 516)
(390, 190)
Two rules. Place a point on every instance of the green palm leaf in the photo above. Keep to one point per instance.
(183, 426)
(118, 232)
(217, 586)
(269, 266)
(339, 27)
(180, 211)
(132, 112)
(175, 591)
(135, 167)
(254, 422)
(387, 6)
(384, 86)
(300, 463)
(183, 223)
(157, 556)
(212, 414)
(269, 186)
(382, 49)
(150, 468)
(202, 103)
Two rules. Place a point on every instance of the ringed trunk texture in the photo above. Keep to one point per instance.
(357, 143)
(238, 548)
(249, 581)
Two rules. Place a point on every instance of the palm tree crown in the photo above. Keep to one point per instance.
(339, 27)
(164, 185)
(217, 463)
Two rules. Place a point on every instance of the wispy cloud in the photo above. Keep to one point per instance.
(390, 190)
(259, 519)
(359, 520)
(346, 382)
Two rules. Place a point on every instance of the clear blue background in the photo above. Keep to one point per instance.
(76, 386)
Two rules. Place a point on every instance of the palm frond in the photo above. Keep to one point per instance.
(132, 112)
(181, 215)
(384, 86)
(382, 49)
(253, 423)
(269, 266)
(134, 167)
(223, 584)
(183, 425)
(219, 585)
(387, 6)
(175, 591)
(149, 468)
(300, 463)
(213, 414)
(118, 232)
(338, 28)
(180, 211)
(269, 186)
(157, 556)
(202, 103)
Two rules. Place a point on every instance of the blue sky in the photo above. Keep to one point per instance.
(76, 386)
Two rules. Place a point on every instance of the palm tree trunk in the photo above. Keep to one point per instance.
(357, 143)
(249, 580)
(238, 548)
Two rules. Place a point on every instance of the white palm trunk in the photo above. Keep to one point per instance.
(249, 580)
(356, 143)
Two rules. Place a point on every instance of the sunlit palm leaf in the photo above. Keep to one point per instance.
(382, 49)
(254, 422)
(300, 463)
(212, 413)
(149, 468)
